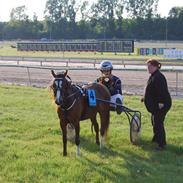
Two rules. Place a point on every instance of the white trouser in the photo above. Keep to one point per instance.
(114, 97)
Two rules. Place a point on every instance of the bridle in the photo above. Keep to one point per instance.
(62, 97)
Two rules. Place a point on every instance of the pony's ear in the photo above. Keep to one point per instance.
(68, 79)
(65, 74)
(53, 73)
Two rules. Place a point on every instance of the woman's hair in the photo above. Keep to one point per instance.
(154, 62)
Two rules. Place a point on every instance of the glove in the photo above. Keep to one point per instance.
(160, 105)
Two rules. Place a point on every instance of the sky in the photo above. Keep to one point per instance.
(38, 7)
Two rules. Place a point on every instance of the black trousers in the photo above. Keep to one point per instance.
(158, 128)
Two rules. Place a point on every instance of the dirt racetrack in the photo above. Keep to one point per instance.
(133, 82)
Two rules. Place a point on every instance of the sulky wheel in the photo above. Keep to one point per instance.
(135, 128)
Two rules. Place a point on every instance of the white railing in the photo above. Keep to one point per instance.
(62, 61)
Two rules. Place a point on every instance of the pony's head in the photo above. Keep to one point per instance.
(60, 84)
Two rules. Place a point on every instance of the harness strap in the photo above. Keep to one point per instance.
(74, 101)
(80, 90)
(71, 105)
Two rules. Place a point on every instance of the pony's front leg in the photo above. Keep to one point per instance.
(77, 138)
(64, 133)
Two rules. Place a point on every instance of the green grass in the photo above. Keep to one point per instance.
(7, 50)
(31, 145)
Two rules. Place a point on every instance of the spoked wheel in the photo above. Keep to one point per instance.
(134, 118)
(135, 127)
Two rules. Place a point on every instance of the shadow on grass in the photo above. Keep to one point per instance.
(133, 163)
(143, 165)
(171, 148)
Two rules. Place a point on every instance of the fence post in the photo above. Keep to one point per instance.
(94, 64)
(28, 73)
(45, 60)
(67, 62)
(177, 80)
(123, 62)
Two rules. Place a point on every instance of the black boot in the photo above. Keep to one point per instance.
(154, 140)
(118, 106)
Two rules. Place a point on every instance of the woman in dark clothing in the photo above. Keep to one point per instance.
(157, 101)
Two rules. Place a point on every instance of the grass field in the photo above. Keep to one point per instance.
(7, 50)
(31, 146)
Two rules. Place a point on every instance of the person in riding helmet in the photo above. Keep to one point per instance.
(113, 83)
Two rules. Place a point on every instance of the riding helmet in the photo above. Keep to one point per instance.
(106, 66)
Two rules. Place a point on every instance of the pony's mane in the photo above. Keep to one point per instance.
(51, 94)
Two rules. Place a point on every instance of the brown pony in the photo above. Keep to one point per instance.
(72, 107)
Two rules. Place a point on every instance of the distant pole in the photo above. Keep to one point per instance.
(104, 27)
(166, 31)
(50, 30)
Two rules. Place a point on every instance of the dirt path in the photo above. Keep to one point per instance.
(133, 82)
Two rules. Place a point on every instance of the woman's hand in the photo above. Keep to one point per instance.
(160, 105)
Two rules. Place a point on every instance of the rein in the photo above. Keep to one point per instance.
(75, 92)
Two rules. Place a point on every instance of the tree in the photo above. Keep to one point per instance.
(119, 13)
(106, 11)
(61, 16)
(2, 25)
(176, 12)
(174, 23)
(36, 26)
(83, 10)
(141, 8)
(57, 10)
(18, 13)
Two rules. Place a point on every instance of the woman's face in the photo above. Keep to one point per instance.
(151, 68)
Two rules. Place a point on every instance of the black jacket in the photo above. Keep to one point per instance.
(157, 92)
